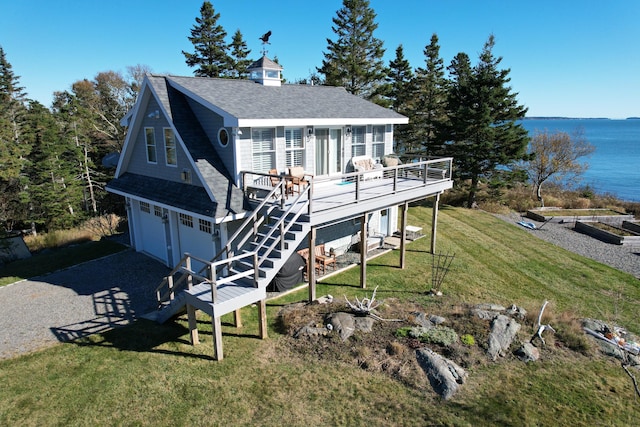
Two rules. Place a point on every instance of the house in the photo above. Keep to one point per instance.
(207, 175)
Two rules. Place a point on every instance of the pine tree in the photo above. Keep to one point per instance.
(429, 109)
(13, 147)
(207, 36)
(239, 54)
(401, 94)
(354, 60)
(483, 111)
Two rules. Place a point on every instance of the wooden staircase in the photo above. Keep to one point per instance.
(240, 273)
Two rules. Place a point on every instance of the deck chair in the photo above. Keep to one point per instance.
(275, 180)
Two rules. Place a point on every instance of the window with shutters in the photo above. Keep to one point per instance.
(264, 150)
(377, 148)
(150, 140)
(358, 147)
(294, 146)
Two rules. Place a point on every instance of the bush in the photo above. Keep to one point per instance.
(468, 340)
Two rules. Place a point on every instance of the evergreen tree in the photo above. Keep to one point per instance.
(401, 94)
(239, 54)
(354, 60)
(483, 132)
(13, 147)
(428, 115)
(207, 36)
(56, 188)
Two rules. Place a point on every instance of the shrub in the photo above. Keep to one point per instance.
(468, 340)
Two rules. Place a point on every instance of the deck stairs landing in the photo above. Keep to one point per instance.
(240, 273)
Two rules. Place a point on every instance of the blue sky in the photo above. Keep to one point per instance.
(567, 58)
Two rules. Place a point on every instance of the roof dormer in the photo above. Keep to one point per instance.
(266, 72)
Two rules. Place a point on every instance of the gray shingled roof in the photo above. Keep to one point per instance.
(245, 99)
(191, 198)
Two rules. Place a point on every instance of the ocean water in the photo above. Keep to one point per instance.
(614, 166)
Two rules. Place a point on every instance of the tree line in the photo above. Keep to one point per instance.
(52, 174)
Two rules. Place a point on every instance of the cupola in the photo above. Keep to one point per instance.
(266, 72)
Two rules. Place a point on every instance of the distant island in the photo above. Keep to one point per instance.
(575, 118)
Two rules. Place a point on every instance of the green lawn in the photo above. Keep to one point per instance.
(148, 374)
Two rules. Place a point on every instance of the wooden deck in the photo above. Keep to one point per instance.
(353, 194)
(230, 297)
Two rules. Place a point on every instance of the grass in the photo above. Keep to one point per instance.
(56, 259)
(148, 374)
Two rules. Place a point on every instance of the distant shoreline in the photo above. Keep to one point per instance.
(575, 118)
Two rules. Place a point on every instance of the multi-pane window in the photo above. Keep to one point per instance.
(150, 139)
(294, 146)
(205, 225)
(358, 147)
(186, 220)
(264, 150)
(377, 148)
(170, 147)
(145, 207)
(157, 211)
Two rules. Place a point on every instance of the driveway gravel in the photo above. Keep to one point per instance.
(77, 302)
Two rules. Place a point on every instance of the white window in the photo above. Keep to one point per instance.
(150, 139)
(205, 225)
(186, 220)
(295, 146)
(358, 147)
(157, 211)
(170, 147)
(264, 150)
(145, 207)
(377, 149)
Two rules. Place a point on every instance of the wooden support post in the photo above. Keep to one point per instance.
(262, 314)
(237, 319)
(193, 325)
(364, 248)
(434, 223)
(403, 233)
(311, 268)
(217, 337)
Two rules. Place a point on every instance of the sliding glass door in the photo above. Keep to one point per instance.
(328, 151)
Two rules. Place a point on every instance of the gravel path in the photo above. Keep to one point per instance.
(77, 302)
(621, 257)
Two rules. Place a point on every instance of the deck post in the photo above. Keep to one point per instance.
(364, 248)
(262, 314)
(217, 337)
(237, 319)
(434, 223)
(311, 267)
(193, 325)
(403, 234)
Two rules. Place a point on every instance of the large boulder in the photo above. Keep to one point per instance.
(503, 330)
(444, 375)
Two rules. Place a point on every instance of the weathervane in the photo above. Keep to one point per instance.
(265, 42)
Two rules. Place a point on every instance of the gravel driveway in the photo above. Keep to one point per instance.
(77, 302)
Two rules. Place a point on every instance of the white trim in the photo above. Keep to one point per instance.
(317, 122)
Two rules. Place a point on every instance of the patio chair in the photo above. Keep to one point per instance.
(296, 176)
(275, 179)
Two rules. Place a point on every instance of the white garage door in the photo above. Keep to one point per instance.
(195, 238)
(152, 231)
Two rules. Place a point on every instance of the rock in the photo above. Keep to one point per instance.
(503, 331)
(595, 325)
(327, 299)
(421, 319)
(437, 320)
(342, 323)
(364, 324)
(444, 375)
(310, 331)
(517, 312)
(484, 314)
(528, 353)
(490, 307)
